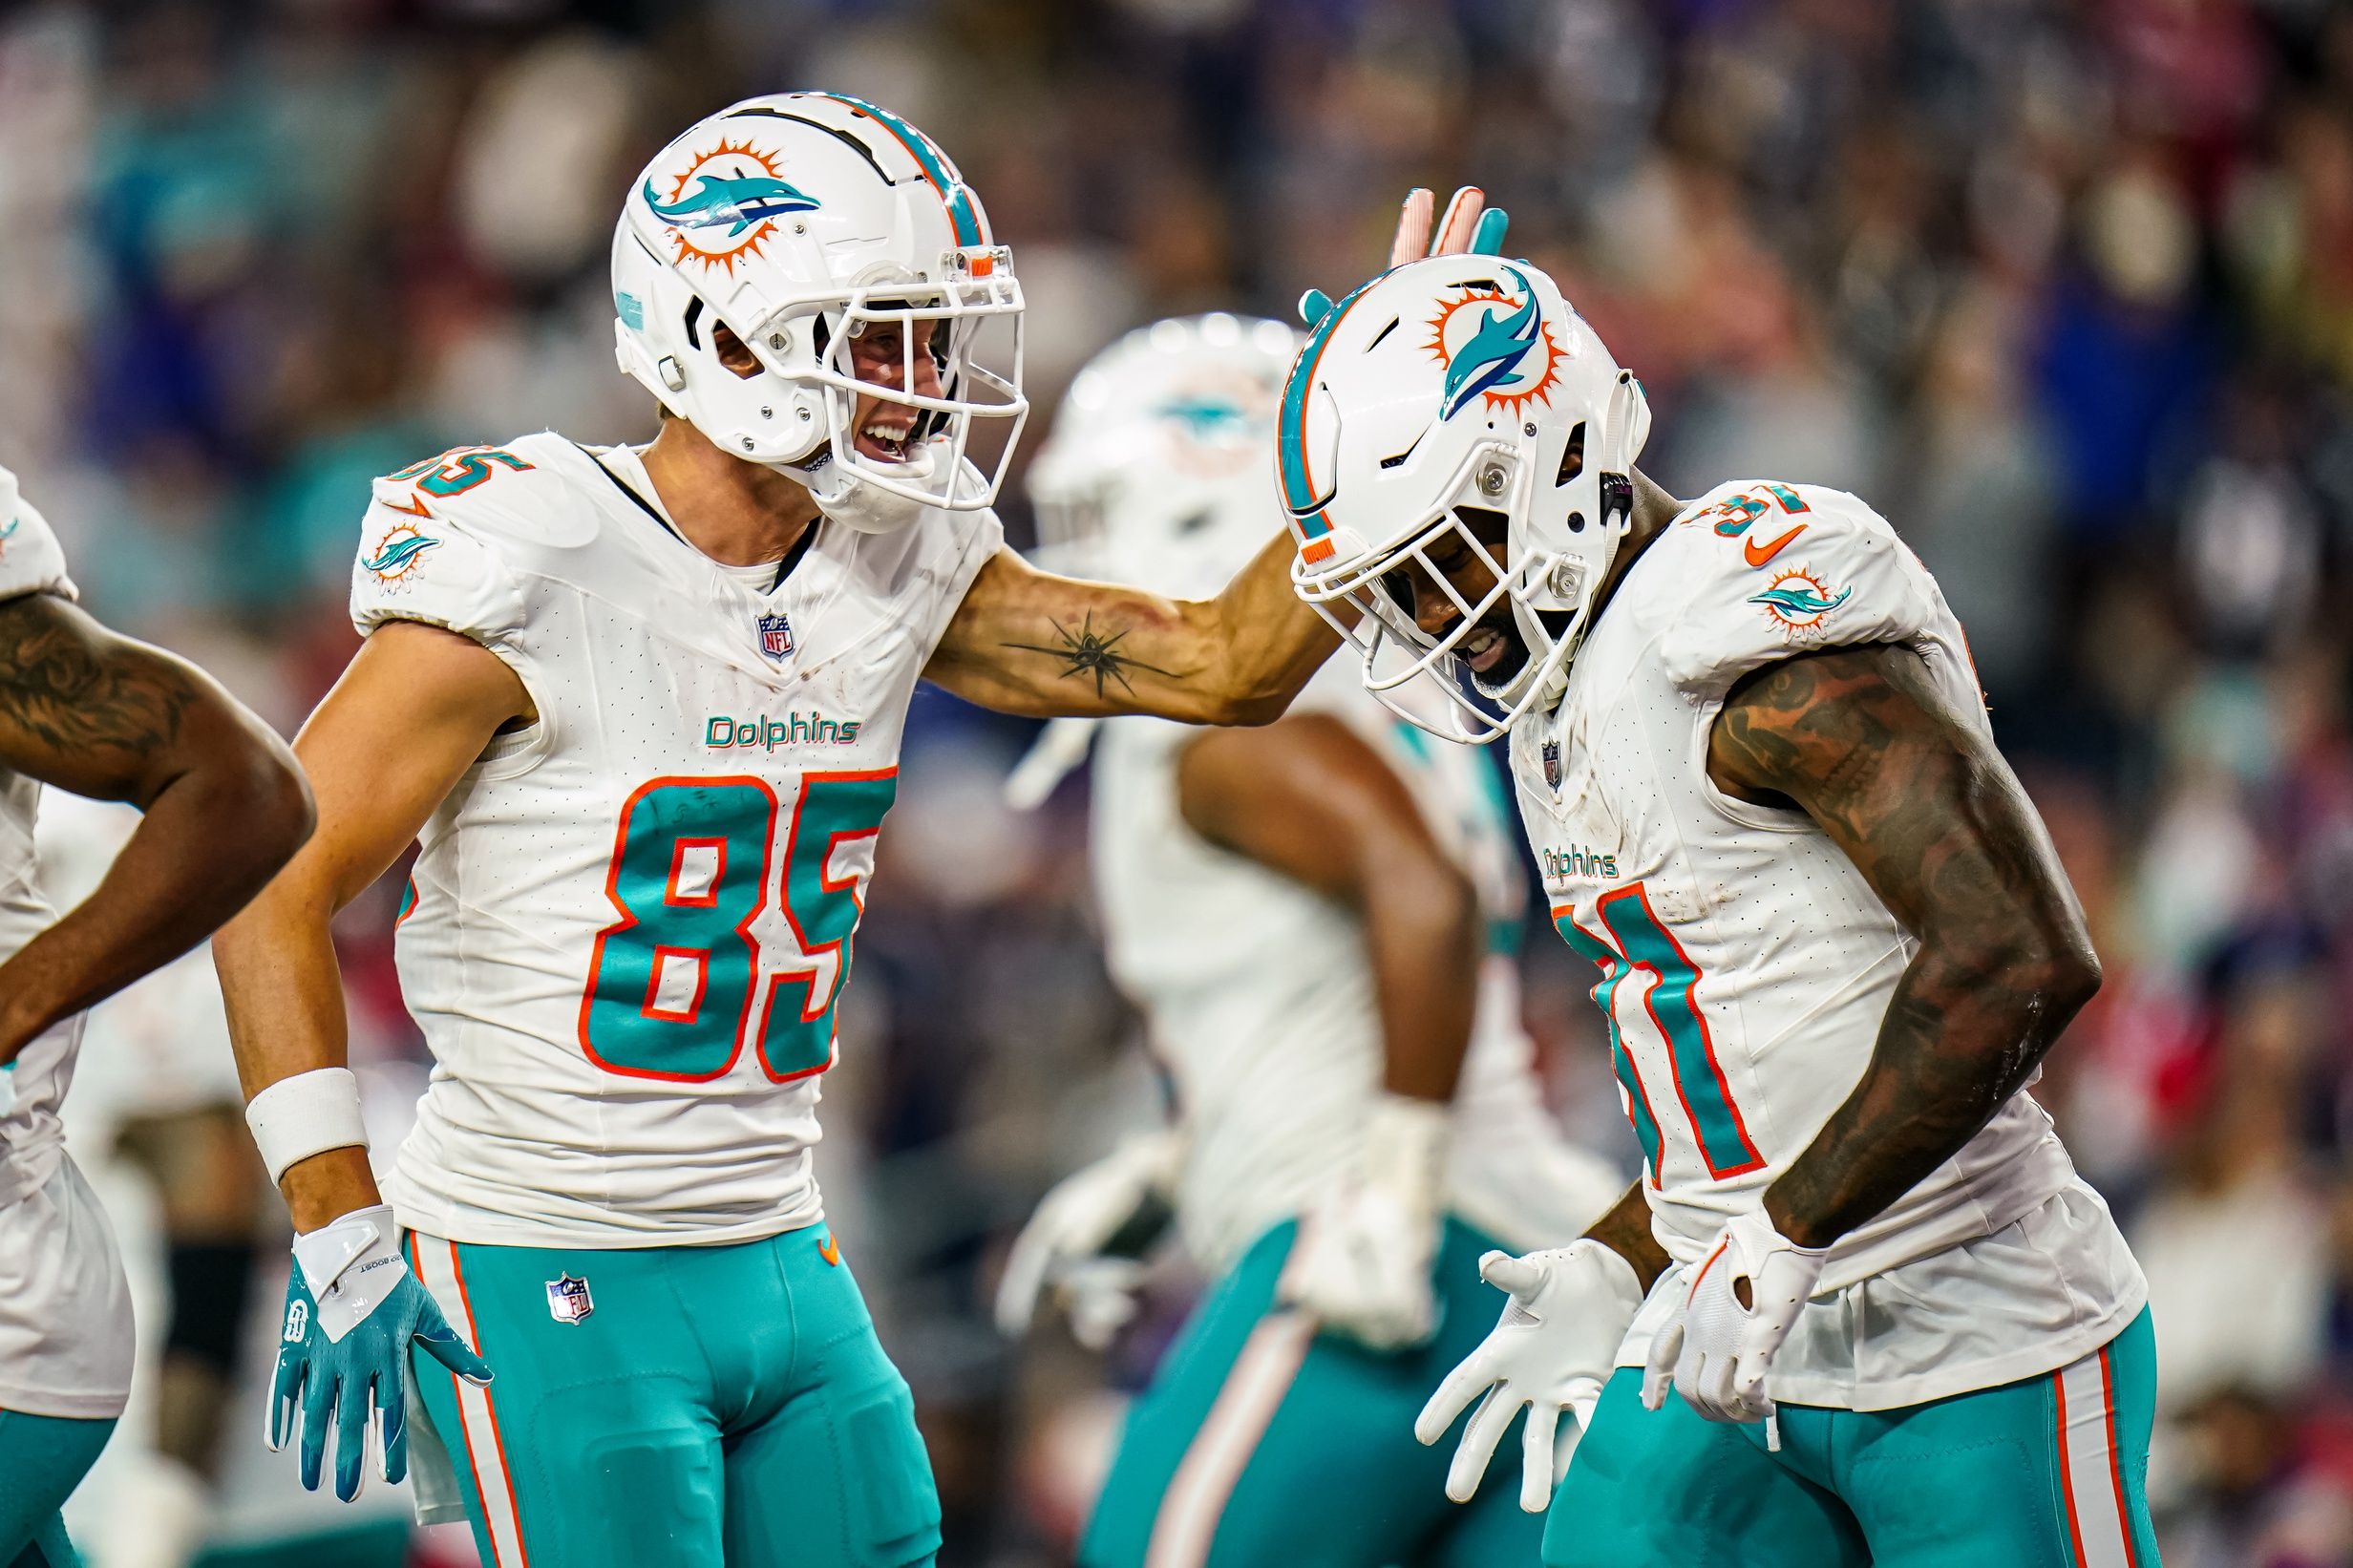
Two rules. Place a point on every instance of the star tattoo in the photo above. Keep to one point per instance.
(1087, 651)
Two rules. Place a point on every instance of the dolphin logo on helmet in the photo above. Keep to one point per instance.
(741, 201)
(1491, 357)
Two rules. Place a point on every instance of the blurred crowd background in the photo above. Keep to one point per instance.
(2064, 288)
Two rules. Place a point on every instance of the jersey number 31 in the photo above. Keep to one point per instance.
(674, 986)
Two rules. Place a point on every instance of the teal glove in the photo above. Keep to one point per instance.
(351, 1307)
(1470, 227)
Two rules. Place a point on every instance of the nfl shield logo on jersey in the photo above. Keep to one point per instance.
(567, 1298)
(1552, 763)
(776, 636)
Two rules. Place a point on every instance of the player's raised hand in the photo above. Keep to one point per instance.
(1740, 1305)
(1469, 226)
(1553, 1349)
(351, 1309)
(1067, 1246)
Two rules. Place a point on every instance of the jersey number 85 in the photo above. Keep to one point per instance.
(673, 982)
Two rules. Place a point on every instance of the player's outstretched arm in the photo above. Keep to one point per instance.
(1932, 816)
(1029, 642)
(114, 719)
(1863, 742)
(411, 714)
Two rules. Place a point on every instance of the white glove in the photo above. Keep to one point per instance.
(1063, 1245)
(1360, 1263)
(1715, 1350)
(1553, 1349)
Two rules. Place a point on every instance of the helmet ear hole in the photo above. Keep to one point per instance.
(1576, 522)
(1571, 459)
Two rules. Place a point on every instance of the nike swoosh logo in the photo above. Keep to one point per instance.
(416, 507)
(827, 1250)
(1759, 554)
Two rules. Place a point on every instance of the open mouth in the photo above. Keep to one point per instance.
(1484, 650)
(885, 437)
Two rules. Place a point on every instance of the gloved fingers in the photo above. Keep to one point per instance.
(286, 1387)
(319, 1392)
(1516, 1276)
(1747, 1395)
(441, 1341)
(352, 1411)
(1460, 223)
(1412, 241)
(1488, 241)
(1659, 1367)
(1535, 1457)
(1470, 1377)
(1023, 1282)
(1479, 1436)
(1579, 1395)
(393, 1424)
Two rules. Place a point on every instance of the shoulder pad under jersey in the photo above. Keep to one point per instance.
(1770, 570)
(442, 539)
(31, 561)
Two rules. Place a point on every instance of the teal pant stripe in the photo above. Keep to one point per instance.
(1262, 1443)
(42, 1459)
(2050, 1472)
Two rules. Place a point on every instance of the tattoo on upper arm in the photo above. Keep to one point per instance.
(1086, 652)
(62, 689)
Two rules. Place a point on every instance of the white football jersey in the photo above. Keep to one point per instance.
(1258, 996)
(65, 1308)
(631, 922)
(1745, 962)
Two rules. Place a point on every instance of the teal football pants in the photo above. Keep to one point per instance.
(42, 1459)
(714, 1406)
(1263, 1445)
(2047, 1473)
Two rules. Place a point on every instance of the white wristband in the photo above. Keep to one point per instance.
(303, 1116)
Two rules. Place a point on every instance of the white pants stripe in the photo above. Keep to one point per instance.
(2084, 1401)
(1261, 1375)
(434, 1262)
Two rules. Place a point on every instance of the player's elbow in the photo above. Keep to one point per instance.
(1427, 899)
(2048, 977)
(1250, 710)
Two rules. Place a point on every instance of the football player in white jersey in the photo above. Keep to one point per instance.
(1317, 919)
(1859, 1306)
(225, 807)
(643, 707)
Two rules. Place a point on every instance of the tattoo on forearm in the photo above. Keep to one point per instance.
(1086, 652)
(58, 686)
(1862, 740)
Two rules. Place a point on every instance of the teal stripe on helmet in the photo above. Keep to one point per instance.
(1291, 426)
(959, 209)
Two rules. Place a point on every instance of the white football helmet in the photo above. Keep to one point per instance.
(802, 220)
(1445, 398)
(1155, 473)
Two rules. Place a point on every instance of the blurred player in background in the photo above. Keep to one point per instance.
(224, 807)
(157, 1092)
(644, 707)
(1318, 919)
(1835, 942)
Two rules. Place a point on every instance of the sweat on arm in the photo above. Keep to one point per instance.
(1862, 741)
